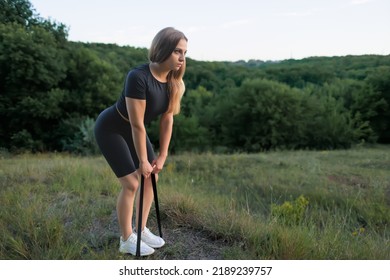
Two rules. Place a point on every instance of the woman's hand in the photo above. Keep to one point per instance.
(145, 168)
(158, 164)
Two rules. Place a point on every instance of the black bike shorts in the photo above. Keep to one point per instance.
(114, 138)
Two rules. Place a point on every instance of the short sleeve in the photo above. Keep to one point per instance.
(135, 86)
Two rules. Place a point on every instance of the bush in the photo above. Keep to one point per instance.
(83, 141)
(290, 213)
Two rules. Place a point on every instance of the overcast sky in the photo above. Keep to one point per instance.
(232, 30)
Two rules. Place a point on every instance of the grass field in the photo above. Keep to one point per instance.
(277, 205)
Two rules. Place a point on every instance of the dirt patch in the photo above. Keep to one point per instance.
(185, 243)
(182, 242)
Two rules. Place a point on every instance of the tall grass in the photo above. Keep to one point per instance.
(276, 205)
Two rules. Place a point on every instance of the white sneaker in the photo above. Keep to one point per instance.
(152, 240)
(130, 246)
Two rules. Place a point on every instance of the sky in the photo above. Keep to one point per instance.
(231, 30)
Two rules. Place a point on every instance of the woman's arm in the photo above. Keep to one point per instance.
(136, 110)
(166, 124)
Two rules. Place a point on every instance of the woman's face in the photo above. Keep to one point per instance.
(178, 56)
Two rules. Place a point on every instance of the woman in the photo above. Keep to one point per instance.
(150, 90)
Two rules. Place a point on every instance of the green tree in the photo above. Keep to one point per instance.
(261, 115)
(195, 101)
(17, 11)
(92, 83)
(31, 67)
(378, 82)
(327, 125)
(359, 100)
(21, 12)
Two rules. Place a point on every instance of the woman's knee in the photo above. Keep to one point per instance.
(129, 182)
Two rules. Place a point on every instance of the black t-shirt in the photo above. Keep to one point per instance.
(140, 84)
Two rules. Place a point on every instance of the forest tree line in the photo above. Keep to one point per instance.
(52, 89)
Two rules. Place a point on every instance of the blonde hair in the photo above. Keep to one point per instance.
(163, 44)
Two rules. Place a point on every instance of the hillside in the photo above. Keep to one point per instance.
(276, 205)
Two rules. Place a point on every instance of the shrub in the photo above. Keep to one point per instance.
(290, 213)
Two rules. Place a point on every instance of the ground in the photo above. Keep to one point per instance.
(182, 242)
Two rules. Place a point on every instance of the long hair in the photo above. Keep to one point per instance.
(163, 44)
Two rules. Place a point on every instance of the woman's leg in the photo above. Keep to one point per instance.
(125, 203)
(148, 237)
